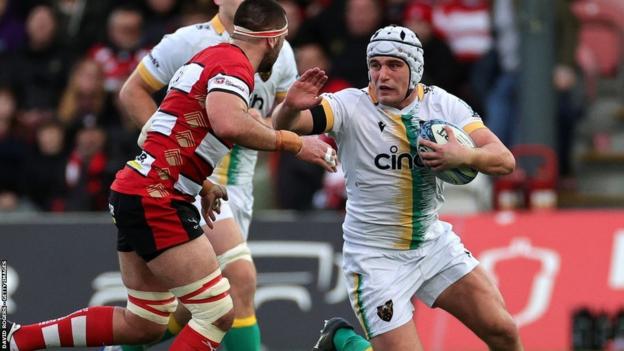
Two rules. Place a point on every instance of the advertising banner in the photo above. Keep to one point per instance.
(547, 265)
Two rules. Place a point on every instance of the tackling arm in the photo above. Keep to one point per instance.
(231, 120)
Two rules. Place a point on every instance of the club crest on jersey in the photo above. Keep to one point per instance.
(385, 311)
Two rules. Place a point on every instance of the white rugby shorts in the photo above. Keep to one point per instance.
(239, 206)
(382, 282)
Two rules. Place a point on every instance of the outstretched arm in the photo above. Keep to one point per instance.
(294, 114)
(231, 120)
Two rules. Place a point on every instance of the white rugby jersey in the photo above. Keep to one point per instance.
(176, 49)
(392, 200)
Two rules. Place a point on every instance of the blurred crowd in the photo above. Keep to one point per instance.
(63, 134)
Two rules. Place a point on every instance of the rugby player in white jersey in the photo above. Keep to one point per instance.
(395, 246)
(230, 232)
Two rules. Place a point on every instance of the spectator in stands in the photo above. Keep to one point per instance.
(442, 69)
(199, 12)
(84, 96)
(502, 111)
(162, 17)
(45, 169)
(38, 71)
(122, 52)
(11, 153)
(82, 23)
(345, 33)
(294, 13)
(85, 174)
(12, 34)
(465, 26)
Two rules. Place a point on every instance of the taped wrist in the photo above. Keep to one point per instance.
(287, 141)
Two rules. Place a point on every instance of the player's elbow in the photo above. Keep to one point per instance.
(126, 93)
(507, 164)
(225, 129)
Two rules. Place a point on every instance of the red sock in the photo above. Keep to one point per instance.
(91, 326)
(190, 340)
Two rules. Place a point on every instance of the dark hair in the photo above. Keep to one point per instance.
(260, 15)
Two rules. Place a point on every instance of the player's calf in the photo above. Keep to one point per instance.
(502, 335)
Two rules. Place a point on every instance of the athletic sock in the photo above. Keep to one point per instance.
(243, 336)
(190, 340)
(91, 326)
(346, 339)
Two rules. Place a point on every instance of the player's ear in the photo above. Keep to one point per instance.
(273, 42)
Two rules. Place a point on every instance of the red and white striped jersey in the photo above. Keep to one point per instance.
(181, 149)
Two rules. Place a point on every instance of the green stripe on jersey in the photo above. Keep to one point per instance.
(232, 171)
(412, 128)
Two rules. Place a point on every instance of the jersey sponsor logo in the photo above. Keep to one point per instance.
(142, 163)
(257, 102)
(154, 60)
(394, 160)
(386, 311)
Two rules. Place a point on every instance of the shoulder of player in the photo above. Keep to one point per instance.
(433, 94)
(202, 33)
(348, 95)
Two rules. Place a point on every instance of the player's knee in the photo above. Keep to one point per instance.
(225, 322)
(147, 314)
(502, 335)
(238, 267)
(242, 276)
(210, 304)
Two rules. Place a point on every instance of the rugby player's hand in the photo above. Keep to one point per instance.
(318, 152)
(143, 134)
(445, 156)
(304, 93)
(211, 202)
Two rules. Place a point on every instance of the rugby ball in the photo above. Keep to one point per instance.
(433, 130)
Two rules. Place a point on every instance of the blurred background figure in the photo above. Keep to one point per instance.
(81, 23)
(344, 28)
(12, 32)
(466, 26)
(44, 174)
(85, 174)
(442, 69)
(163, 17)
(502, 110)
(84, 97)
(123, 48)
(290, 172)
(12, 153)
(38, 71)
(294, 14)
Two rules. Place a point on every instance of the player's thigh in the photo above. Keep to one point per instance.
(224, 236)
(402, 338)
(186, 263)
(475, 301)
(136, 275)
